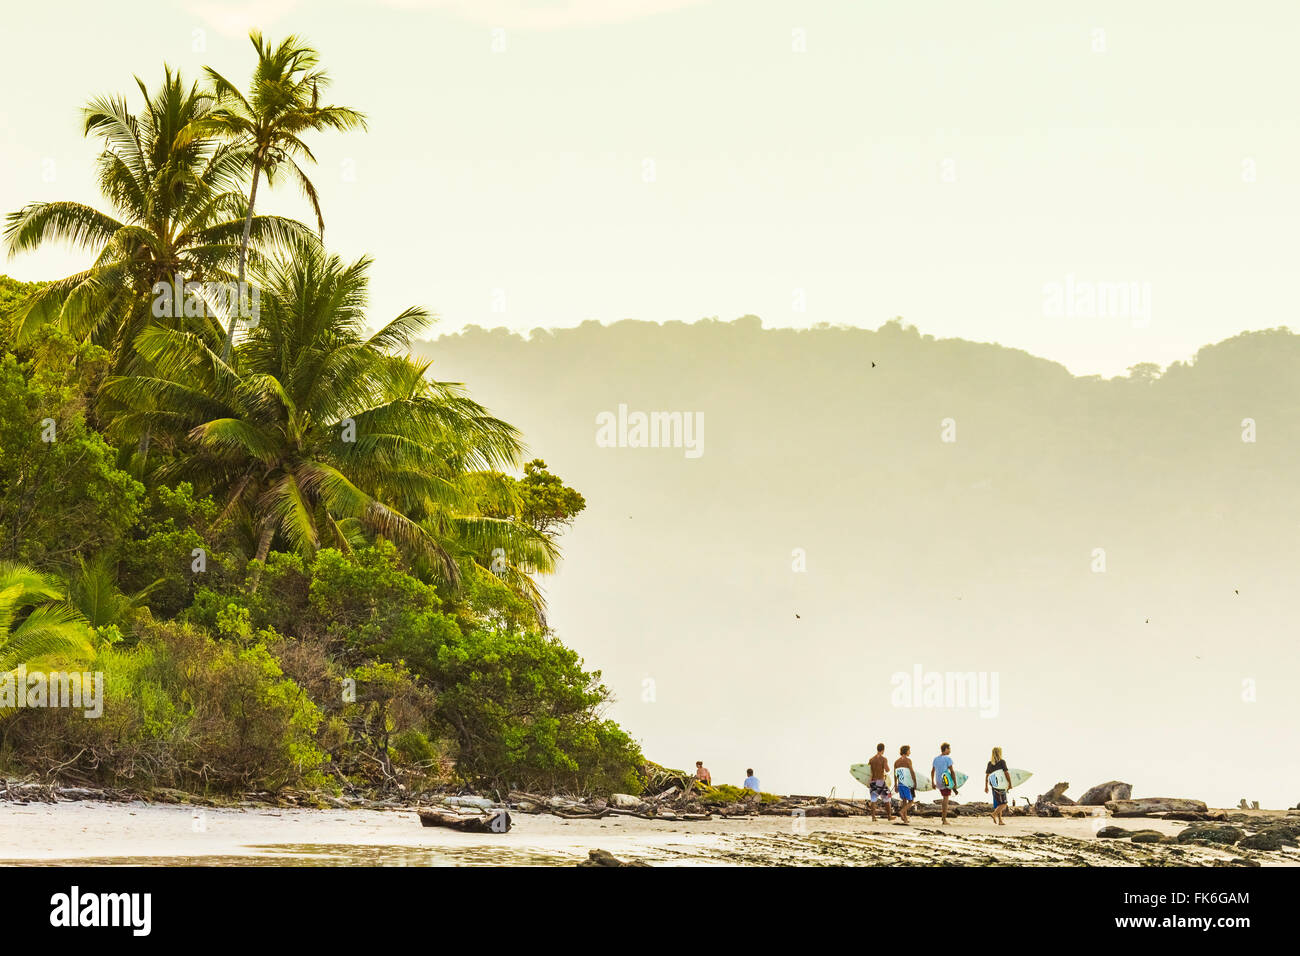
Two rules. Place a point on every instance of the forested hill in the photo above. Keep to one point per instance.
(1130, 532)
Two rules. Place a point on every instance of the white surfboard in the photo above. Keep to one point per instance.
(953, 779)
(904, 778)
(861, 773)
(998, 779)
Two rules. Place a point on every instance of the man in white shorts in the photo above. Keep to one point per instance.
(878, 789)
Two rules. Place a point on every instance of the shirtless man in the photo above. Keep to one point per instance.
(879, 786)
(905, 794)
(702, 773)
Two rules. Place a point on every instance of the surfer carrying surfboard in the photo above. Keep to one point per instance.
(942, 775)
(996, 763)
(878, 789)
(905, 777)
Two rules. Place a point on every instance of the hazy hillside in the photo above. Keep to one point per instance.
(970, 555)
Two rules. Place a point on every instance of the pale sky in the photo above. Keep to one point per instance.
(541, 164)
(944, 162)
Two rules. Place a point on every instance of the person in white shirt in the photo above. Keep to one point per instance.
(751, 782)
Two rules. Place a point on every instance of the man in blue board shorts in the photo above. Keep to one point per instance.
(878, 790)
(905, 793)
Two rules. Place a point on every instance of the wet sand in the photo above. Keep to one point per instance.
(137, 833)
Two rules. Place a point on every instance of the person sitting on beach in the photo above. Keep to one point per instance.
(751, 782)
(702, 773)
(996, 763)
(943, 764)
(905, 793)
(878, 790)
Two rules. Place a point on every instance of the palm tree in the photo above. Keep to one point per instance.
(178, 213)
(316, 431)
(463, 517)
(35, 619)
(93, 590)
(266, 125)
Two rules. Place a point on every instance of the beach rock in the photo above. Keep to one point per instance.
(1078, 811)
(1046, 808)
(605, 858)
(1113, 833)
(1284, 834)
(1264, 840)
(1149, 806)
(828, 810)
(1056, 796)
(1104, 793)
(1147, 836)
(1211, 834)
(625, 801)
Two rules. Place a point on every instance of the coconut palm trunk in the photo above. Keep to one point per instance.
(263, 549)
(243, 260)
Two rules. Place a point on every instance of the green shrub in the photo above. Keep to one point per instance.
(525, 714)
(61, 493)
(162, 546)
(180, 710)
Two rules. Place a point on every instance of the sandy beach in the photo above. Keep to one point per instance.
(137, 833)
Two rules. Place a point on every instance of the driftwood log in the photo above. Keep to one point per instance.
(1149, 806)
(605, 858)
(581, 814)
(1057, 796)
(497, 821)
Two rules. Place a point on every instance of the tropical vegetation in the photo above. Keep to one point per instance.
(297, 559)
